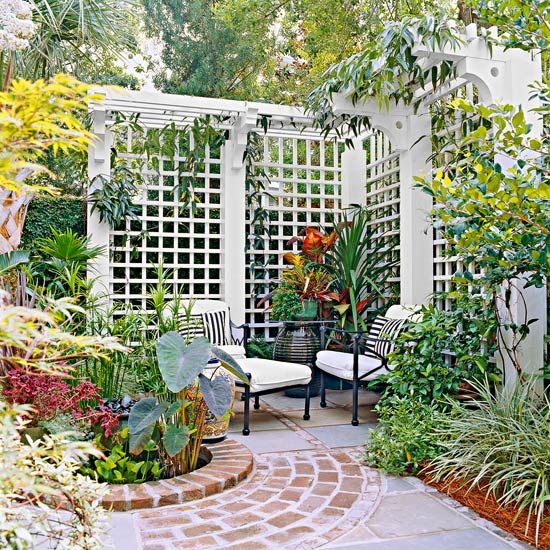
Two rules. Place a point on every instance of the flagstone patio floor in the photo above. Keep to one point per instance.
(309, 489)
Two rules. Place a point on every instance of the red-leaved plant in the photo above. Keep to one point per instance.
(51, 396)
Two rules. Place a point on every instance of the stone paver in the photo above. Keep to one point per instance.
(466, 539)
(310, 490)
(342, 436)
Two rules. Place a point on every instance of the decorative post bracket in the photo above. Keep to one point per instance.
(245, 123)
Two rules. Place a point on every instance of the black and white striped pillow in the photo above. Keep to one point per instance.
(390, 331)
(191, 326)
(374, 334)
(214, 326)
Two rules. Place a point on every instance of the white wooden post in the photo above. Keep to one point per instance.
(416, 235)
(234, 215)
(521, 70)
(99, 164)
(354, 175)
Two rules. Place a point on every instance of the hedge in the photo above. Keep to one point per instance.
(45, 212)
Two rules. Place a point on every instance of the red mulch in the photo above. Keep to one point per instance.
(488, 507)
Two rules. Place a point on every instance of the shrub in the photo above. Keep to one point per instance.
(404, 438)
(286, 304)
(35, 478)
(46, 212)
(51, 396)
(500, 444)
(421, 368)
(118, 466)
(259, 347)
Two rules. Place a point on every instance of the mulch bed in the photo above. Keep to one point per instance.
(488, 507)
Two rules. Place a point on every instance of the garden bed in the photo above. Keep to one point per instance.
(227, 463)
(488, 507)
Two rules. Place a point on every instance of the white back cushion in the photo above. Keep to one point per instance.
(399, 311)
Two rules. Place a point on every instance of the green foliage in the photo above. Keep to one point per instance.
(46, 212)
(205, 56)
(10, 260)
(73, 35)
(170, 422)
(119, 467)
(310, 36)
(420, 368)
(286, 304)
(404, 439)
(259, 347)
(113, 196)
(60, 270)
(360, 264)
(523, 23)
(492, 205)
(385, 69)
(500, 445)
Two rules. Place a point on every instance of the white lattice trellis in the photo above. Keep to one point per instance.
(310, 179)
(304, 189)
(496, 75)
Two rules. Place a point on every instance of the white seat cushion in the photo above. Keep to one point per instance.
(340, 364)
(269, 375)
(237, 352)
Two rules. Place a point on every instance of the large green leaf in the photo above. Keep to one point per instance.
(145, 413)
(175, 438)
(217, 393)
(173, 408)
(9, 260)
(179, 363)
(140, 440)
(230, 364)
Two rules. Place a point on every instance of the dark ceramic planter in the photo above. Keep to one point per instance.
(299, 342)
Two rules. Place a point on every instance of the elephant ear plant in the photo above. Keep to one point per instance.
(177, 423)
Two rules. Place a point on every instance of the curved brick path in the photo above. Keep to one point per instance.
(308, 491)
(296, 500)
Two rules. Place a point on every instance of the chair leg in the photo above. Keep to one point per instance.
(323, 391)
(256, 402)
(355, 413)
(306, 409)
(246, 427)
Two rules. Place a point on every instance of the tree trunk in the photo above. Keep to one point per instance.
(13, 209)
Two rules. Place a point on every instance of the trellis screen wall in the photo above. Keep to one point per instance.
(303, 189)
(491, 75)
(188, 246)
(204, 251)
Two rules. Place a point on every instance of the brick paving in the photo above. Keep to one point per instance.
(316, 494)
(303, 499)
(230, 462)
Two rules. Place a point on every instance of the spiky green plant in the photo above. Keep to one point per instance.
(500, 444)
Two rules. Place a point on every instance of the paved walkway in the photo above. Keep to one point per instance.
(310, 490)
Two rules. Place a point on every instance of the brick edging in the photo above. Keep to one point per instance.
(231, 463)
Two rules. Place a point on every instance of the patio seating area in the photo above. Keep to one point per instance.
(309, 489)
(279, 279)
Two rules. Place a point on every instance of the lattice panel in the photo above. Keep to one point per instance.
(189, 247)
(305, 189)
(383, 203)
(446, 266)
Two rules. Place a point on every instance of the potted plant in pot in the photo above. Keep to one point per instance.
(304, 287)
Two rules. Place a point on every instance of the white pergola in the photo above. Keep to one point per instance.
(309, 182)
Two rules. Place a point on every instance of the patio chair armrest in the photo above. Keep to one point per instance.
(371, 351)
